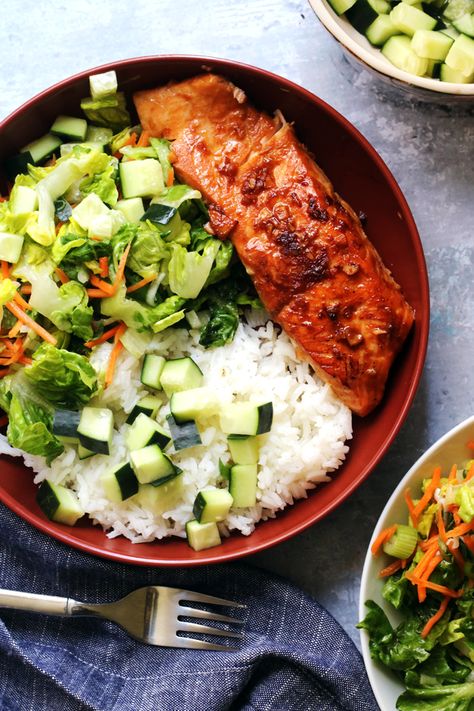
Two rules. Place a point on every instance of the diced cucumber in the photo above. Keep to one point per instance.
(244, 449)
(193, 404)
(83, 452)
(433, 69)
(245, 418)
(152, 466)
(69, 128)
(183, 434)
(461, 55)
(66, 422)
(212, 505)
(132, 209)
(58, 503)
(119, 483)
(202, 535)
(66, 439)
(398, 50)
(144, 432)
(10, 247)
(365, 12)
(341, 6)
(160, 498)
(431, 44)
(149, 405)
(450, 31)
(452, 75)
(141, 178)
(243, 485)
(409, 19)
(180, 374)
(103, 84)
(88, 210)
(151, 370)
(96, 428)
(457, 8)
(99, 134)
(465, 24)
(380, 30)
(167, 321)
(42, 148)
(23, 200)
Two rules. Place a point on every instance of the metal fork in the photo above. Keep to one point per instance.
(151, 614)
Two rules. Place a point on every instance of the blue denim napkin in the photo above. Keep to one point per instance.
(294, 657)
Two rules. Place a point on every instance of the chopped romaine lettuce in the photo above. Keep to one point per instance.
(110, 111)
(30, 424)
(102, 184)
(189, 271)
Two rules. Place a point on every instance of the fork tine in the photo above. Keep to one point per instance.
(199, 597)
(206, 615)
(189, 643)
(205, 629)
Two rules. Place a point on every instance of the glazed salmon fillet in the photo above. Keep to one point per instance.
(314, 268)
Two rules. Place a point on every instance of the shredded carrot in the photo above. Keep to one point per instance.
(460, 530)
(104, 337)
(432, 565)
(95, 238)
(382, 538)
(452, 474)
(25, 360)
(425, 561)
(24, 318)
(103, 285)
(104, 267)
(58, 226)
(144, 139)
(118, 346)
(25, 289)
(470, 445)
(131, 141)
(440, 523)
(425, 545)
(434, 586)
(5, 269)
(121, 268)
(411, 507)
(470, 472)
(170, 178)
(430, 490)
(391, 569)
(21, 302)
(469, 543)
(139, 284)
(4, 421)
(436, 617)
(97, 294)
(3, 199)
(63, 277)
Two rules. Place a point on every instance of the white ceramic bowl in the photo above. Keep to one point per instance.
(448, 450)
(358, 48)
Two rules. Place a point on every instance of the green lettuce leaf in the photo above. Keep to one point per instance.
(147, 251)
(135, 314)
(465, 499)
(162, 149)
(451, 697)
(102, 184)
(109, 111)
(189, 271)
(29, 426)
(63, 379)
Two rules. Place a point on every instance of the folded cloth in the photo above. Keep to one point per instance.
(294, 657)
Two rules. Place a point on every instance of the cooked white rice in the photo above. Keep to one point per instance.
(306, 442)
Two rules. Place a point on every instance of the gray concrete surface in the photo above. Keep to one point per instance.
(429, 148)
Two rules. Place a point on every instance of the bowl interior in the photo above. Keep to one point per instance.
(359, 46)
(362, 178)
(448, 450)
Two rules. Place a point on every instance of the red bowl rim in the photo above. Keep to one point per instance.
(216, 555)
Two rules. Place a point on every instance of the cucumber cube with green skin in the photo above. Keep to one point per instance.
(183, 434)
(243, 485)
(430, 44)
(409, 19)
(461, 55)
(10, 247)
(66, 422)
(193, 404)
(141, 178)
(58, 503)
(132, 209)
(244, 449)
(152, 368)
(202, 535)
(245, 418)
(212, 505)
(99, 134)
(452, 75)
(180, 374)
(103, 84)
(341, 6)
(83, 452)
(465, 24)
(149, 405)
(42, 148)
(96, 428)
(398, 50)
(151, 465)
(120, 483)
(160, 498)
(381, 29)
(70, 128)
(145, 431)
(23, 200)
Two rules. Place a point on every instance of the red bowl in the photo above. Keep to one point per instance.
(363, 179)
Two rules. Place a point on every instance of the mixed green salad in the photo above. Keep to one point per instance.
(430, 582)
(99, 242)
(433, 38)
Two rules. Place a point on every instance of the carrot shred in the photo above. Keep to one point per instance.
(391, 569)
(460, 530)
(131, 141)
(411, 507)
(104, 267)
(21, 302)
(144, 139)
(5, 269)
(425, 545)
(121, 267)
(26, 289)
(382, 538)
(170, 178)
(103, 338)
(116, 350)
(4, 421)
(452, 473)
(436, 617)
(469, 543)
(97, 294)
(440, 524)
(63, 277)
(470, 473)
(42, 332)
(434, 586)
(101, 284)
(25, 360)
(95, 238)
(141, 283)
(432, 565)
(5, 372)
(470, 445)
(430, 490)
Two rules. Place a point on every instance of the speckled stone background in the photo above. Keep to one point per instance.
(429, 148)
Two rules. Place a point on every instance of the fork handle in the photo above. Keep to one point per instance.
(31, 602)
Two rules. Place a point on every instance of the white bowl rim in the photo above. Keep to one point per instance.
(381, 524)
(379, 62)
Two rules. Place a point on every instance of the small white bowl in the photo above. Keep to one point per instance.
(448, 450)
(358, 48)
